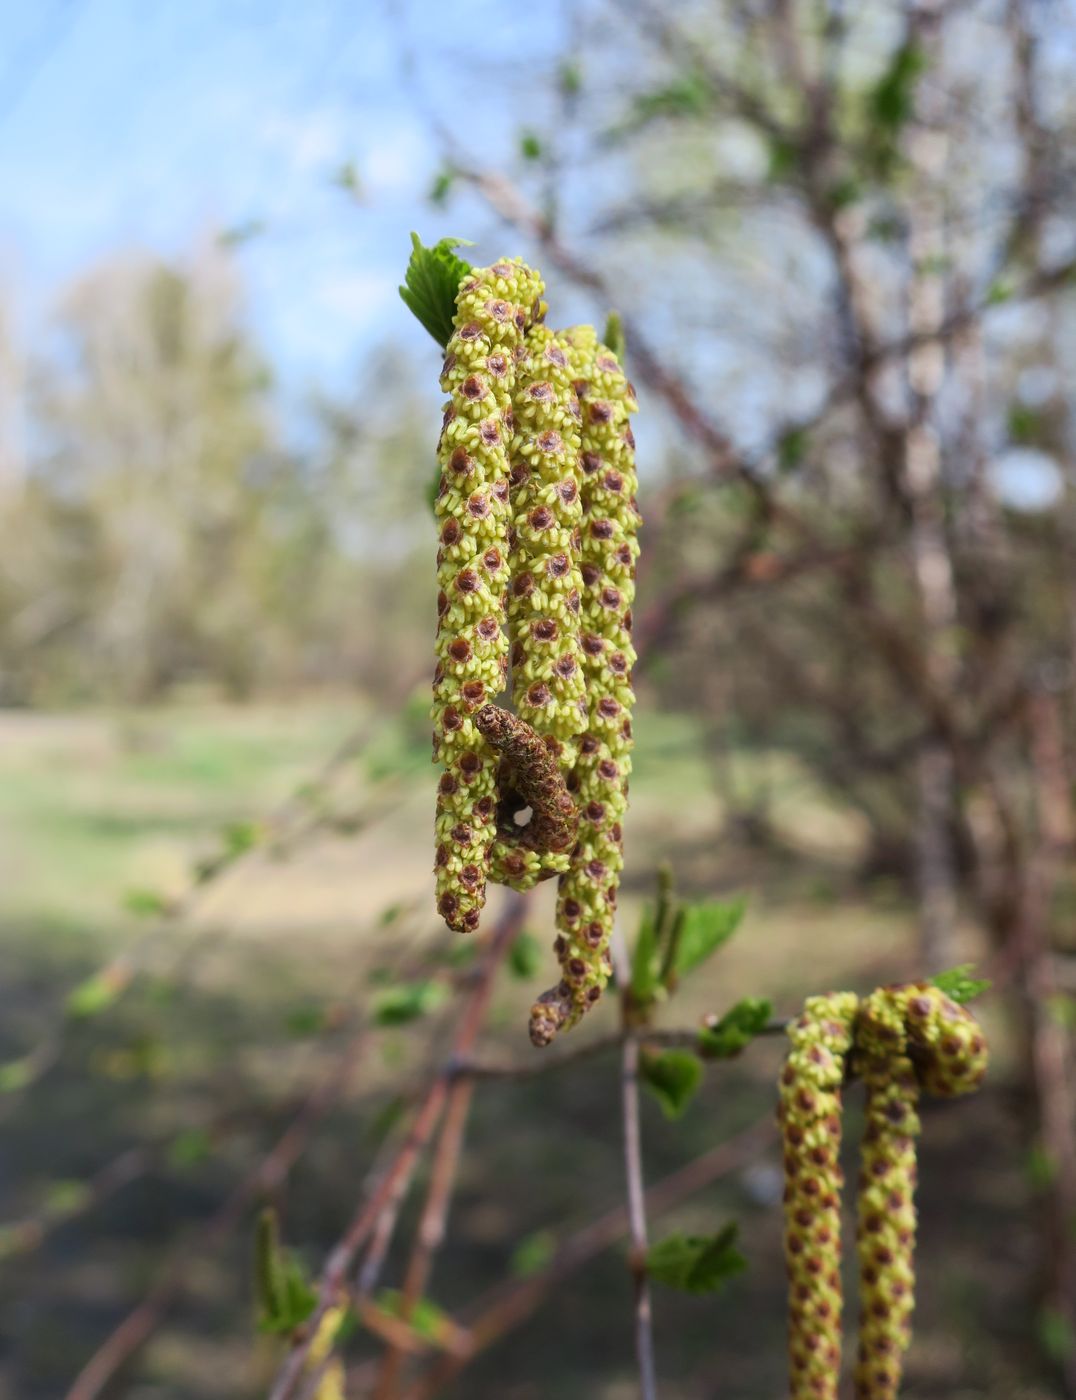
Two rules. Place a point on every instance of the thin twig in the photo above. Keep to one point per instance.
(332, 1287)
(507, 1306)
(633, 1174)
(263, 1178)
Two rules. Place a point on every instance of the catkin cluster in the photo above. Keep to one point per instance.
(900, 1040)
(538, 521)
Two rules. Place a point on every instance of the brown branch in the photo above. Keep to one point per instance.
(509, 1305)
(332, 1287)
(262, 1179)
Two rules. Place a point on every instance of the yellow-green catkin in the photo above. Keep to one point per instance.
(810, 1118)
(545, 593)
(599, 780)
(906, 1036)
(495, 307)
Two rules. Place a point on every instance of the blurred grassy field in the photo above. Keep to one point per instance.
(233, 1014)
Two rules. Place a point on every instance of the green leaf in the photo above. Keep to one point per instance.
(737, 1028)
(526, 956)
(96, 994)
(240, 837)
(688, 96)
(705, 928)
(645, 962)
(426, 1318)
(1056, 1334)
(792, 448)
(614, 338)
(958, 984)
(190, 1147)
(442, 187)
(533, 1253)
(66, 1197)
(998, 292)
(783, 157)
(1023, 423)
(570, 78)
(892, 96)
(16, 1074)
(285, 1296)
(696, 1263)
(145, 903)
(407, 1001)
(431, 282)
(530, 146)
(305, 1020)
(673, 1077)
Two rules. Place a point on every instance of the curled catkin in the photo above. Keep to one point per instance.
(494, 308)
(810, 1119)
(599, 780)
(529, 776)
(544, 596)
(906, 1037)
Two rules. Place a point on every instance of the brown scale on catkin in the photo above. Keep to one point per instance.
(544, 597)
(906, 1038)
(599, 779)
(495, 307)
(810, 1119)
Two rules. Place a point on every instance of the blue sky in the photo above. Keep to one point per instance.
(132, 124)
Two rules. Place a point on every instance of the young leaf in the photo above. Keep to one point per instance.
(891, 98)
(525, 957)
(145, 903)
(427, 1319)
(614, 336)
(705, 928)
(645, 962)
(431, 282)
(696, 1263)
(97, 993)
(673, 1077)
(269, 1283)
(737, 1028)
(533, 1253)
(959, 986)
(407, 1001)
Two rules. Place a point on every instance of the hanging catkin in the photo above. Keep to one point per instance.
(810, 1118)
(494, 309)
(599, 780)
(900, 1041)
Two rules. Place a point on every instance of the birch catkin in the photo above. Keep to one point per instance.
(900, 1041)
(599, 780)
(494, 309)
(810, 1118)
(544, 597)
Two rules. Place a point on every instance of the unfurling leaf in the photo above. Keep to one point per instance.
(431, 282)
(696, 1263)
(407, 1001)
(738, 1027)
(525, 957)
(673, 1077)
(705, 928)
(958, 984)
(645, 962)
